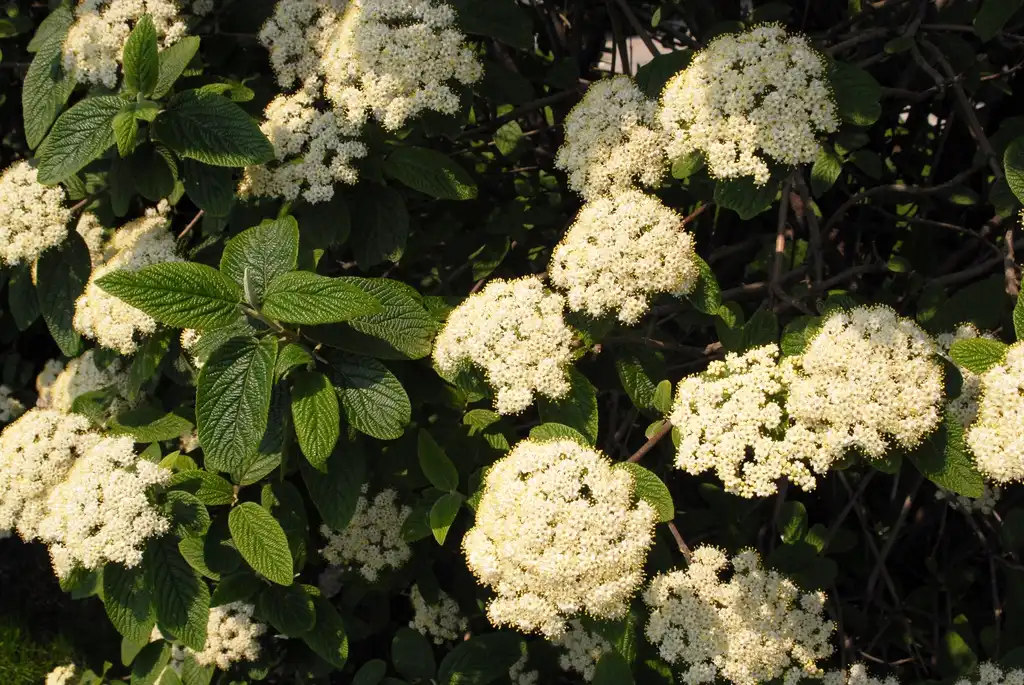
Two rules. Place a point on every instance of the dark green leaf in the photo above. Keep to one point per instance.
(150, 663)
(612, 669)
(443, 514)
(943, 458)
(289, 609)
(47, 84)
(188, 515)
(147, 360)
(211, 188)
(22, 300)
(430, 172)
(261, 542)
(1018, 318)
(327, 636)
(792, 522)
(150, 424)
(61, 275)
(316, 415)
(479, 660)
(503, 20)
(208, 487)
(173, 61)
(127, 601)
(745, 197)
(857, 94)
(707, 295)
(373, 400)
(412, 655)
(267, 251)
(825, 171)
(180, 597)
(557, 431)
(435, 464)
(577, 410)
(652, 490)
(992, 17)
(290, 357)
(652, 76)
(211, 129)
(79, 136)
(336, 490)
(306, 298)
(1013, 162)
(140, 61)
(381, 224)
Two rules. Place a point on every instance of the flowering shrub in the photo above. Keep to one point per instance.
(508, 342)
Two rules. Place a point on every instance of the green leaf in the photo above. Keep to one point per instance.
(211, 188)
(179, 294)
(412, 655)
(289, 609)
(943, 459)
(635, 380)
(792, 522)
(1013, 163)
(208, 487)
(652, 76)
(797, 334)
(978, 355)
(430, 172)
(127, 601)
(503, 20)
(194, 674)
(47, 85)
(443, 514)
(825, 171)
(150, 663)
(652, 490)
(662, 401)
(126, 132)
(403, 329)
(435, 464)
(992, 17)
(371, 673)
(336, 489)
(687, 165)
(267, 251)
(612, 669)
(150, 424)
(238, 587)
(480, 660)
(316, 415)
(373, 400)
(327, 636)
(556, 431)
(61, 276)
(147, 360)
(744, 197)
(261, 542)
(193, 549)
(577, 410)
(180, 597)
(1018, 318)
(173, 61)
(188, 515)
(79, 136)
(290, 357)
(233, 400)
(857, 94)
(381, 224)
(307, 298)
(762, 329)
(707, 295)
(211, 129)
(140, 61)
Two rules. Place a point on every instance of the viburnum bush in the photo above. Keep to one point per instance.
(514, 342)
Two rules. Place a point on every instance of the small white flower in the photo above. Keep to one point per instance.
(231, 636)
(10, 407)
(581, 650)
(372, 541)
(59, 385)
(441, 621)
(34, 217)
(996, 438)
(62, 675)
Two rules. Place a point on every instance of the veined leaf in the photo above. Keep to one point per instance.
(1013, 163)
(233, 400)
(180, 294)
(173, 61)
(577, 410)
(316, 415)
(443, 514)
(267, 251)
(480, 660)
(47, 85)
(651, 489)
(211, 188)
(373, 400)
(556, 431)
(382, 221)
(327, 637)
(61, 275)
(336, 488)
(211, 129)
(978, 354)
(435, 464)
(306, 298)
(289, 609)
(430, 172)
(140, 61)
(261, 542)
(79, 136)
(127, 601)
(208, 487)
(180, 597)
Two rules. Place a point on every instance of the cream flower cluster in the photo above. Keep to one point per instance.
(59, 385)
(441, 621)
(34, 216)
(731, 419)
(749, 98)
(857, 674)
(101, 512)
(372, 541)
(622, 250)
(392, 59)
(95, 43)
(612, 140)
(10, 407)
(110, 321)
(985, 505)
(519, 675)
(231, 636)
(557, 533)
(867, 378)
(62, 675)
(964, 408)
(990, 673)
(515, 331)
(36, 453)
(581, 650)
(996, 438)
(753, 628)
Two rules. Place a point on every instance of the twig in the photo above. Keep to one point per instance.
(665, 429)
(817, 250)
(638, 27)
(890, 540)
(191, 224)
(857, 39)
(846, 510)
(619, 39)
(687, 554)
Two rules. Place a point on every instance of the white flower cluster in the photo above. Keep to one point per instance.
(441, 621)
(761, 91)
(36, 453)
(964, 408)
(985, 505)
(996, 438)
(622, 250)
(392, 59)
(95, 43)
(59, 385)
(557, 533)
(110, 321)
(373, 538)
(867, 377)
(612, 140)
(81, 493)
(101, 511)
(10, 407)
(515, 331)
(519, 675)
(62, 675)
(856, 675)
(990, 673)
(34, 216)
(231, 635)
(581, 650)
(753, 628)
(731, 419)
